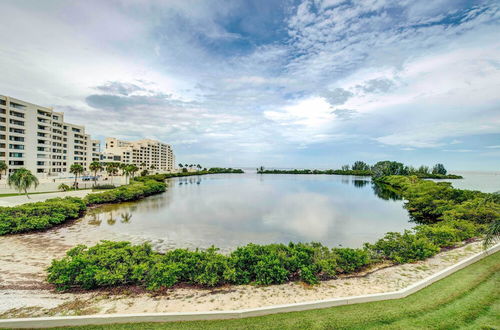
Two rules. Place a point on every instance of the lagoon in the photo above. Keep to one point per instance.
(229, 210)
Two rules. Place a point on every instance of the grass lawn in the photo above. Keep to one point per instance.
(468, 299)
(38, 192)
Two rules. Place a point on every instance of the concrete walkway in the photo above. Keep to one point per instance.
(22, 199)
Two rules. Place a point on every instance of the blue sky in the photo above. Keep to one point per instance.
(315, 83)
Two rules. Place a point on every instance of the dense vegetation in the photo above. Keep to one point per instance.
(133, 191)
(467, 299)
(119, 263)
(380, 169)
(41, 215)
(430, 202)
(448, 216)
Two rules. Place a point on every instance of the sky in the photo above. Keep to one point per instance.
(312, 84)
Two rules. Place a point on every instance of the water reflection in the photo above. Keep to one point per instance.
(360, 183)
(385, 192)
(231, 210)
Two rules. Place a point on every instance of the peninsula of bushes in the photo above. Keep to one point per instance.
(44, 215)
(446, 217)
(380, 169)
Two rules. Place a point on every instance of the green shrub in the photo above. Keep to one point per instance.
(104, 186)
(133, 191)
(350, 260)
(40, 215)
(63, 187)
(402, 248)
(442, 235)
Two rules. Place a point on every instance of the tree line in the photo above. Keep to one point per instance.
(379, 169)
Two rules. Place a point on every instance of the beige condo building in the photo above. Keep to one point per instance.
(146, 153)
(38, 138)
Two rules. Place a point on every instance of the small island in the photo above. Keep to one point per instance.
(380, 169)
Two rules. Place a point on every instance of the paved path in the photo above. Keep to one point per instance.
(22, 199)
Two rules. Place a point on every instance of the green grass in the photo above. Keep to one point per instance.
(38, 193)
(468, 299)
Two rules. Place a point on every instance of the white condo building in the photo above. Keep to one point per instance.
(146, 153)
(38, 138)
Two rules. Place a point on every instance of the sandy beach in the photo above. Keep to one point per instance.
(24, 292)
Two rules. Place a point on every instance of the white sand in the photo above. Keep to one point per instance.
(24, 292)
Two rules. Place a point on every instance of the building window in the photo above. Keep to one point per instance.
(17, 105)
(16, 154)
(16, 146)
(16, 130)
(16, 122)
(17, 114)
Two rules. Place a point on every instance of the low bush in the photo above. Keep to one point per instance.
(351, 260)
(133, 191)
(118, 263)
(402, 248)
(40, 215)
(442, 236)
(104, 186)
(63, 187)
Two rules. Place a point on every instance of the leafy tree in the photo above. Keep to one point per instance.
(22, 179)
(95, 167)
(423, 169)
(144, 172)
(3, 168)
(439, 169)
(360, 166)
(345, 168)
(386, 168)
(76, 169)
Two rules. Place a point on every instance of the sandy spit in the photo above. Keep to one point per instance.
(24, 292)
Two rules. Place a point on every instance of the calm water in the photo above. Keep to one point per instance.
(483, 181)
(228, 210)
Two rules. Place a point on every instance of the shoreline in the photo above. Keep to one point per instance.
(26, 294)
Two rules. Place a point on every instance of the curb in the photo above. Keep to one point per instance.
(61, 321)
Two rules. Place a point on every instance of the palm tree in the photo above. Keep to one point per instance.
(22, 179)
(95, 167)
(143, 165)
(76, 169)
(122, 167)
(3, 168)
(129, 170)
(492, 234)
(133, 169)
(180, 165)
(111, 169)
(198, 166)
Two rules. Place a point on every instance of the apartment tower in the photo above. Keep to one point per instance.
(38, 138)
